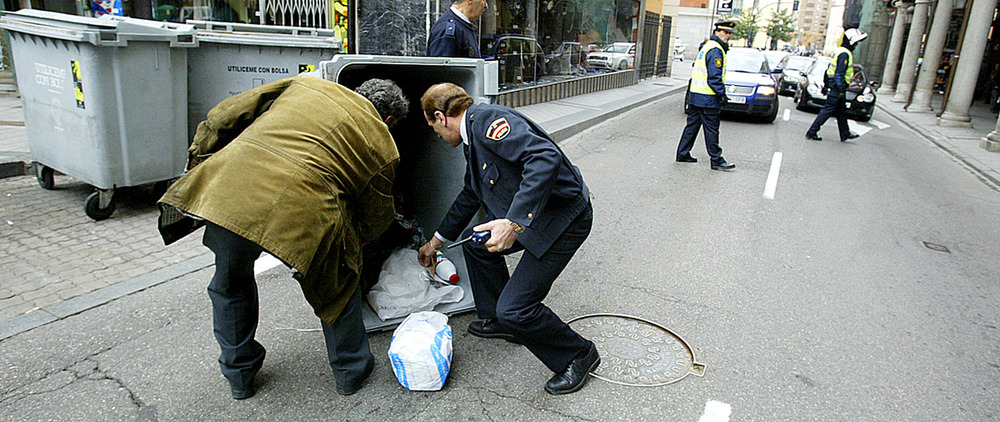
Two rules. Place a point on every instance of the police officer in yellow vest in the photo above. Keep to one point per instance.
(838, 76)
(707, 96)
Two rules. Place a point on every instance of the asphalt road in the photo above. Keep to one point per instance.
(820, 304)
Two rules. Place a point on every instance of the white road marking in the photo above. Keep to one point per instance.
(264, 263)
(716, 411)
(788, 113)
(879, 125)
(772, 177)
(862, 129)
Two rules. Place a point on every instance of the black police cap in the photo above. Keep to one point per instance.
(725, 26)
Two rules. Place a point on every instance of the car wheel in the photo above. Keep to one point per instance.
(769, 118)
(622, 65)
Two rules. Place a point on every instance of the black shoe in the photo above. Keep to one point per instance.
(814, 137)
(851, 135)
(351, 388)
(723, 166)
(490, 328)
(575, 375)
(687, 159)
(242, 393)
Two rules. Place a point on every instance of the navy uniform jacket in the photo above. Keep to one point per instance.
(452, 37)
(839, 82)
(515, 171)
(715, 67)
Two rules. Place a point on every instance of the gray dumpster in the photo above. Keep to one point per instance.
(430, 173)
(234, 57)
(105, 99)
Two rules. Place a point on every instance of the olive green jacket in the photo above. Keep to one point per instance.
(302, 167)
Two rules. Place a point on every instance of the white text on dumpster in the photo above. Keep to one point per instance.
(51, 76)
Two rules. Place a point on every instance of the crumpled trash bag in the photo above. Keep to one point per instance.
(405, 287)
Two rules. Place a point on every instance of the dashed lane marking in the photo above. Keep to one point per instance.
(716, 411)
(772, 177)
(788, 114)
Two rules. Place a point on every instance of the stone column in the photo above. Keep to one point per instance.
(956, 113)
(908, 67)
(992, 141)
(888, 87)
(932, 57)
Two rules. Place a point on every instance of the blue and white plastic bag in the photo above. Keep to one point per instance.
(420, 351)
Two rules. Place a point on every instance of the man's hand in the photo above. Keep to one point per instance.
(502, 234)
(722, 99)
(428, 251)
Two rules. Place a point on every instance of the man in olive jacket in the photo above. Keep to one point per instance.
(301, 168)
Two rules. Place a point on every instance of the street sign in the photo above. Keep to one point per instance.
(725, 7)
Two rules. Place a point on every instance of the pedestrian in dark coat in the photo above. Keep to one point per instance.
(301, 168)
(535, 201)
(453, 35)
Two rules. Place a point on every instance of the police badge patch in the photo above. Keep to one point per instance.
(498, 129)
(718, 63)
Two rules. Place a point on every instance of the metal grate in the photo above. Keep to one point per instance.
(307, 13)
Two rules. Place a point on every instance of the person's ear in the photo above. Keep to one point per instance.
(439, 116)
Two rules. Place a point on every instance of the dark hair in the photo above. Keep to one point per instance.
(387, 98)
(447, 98)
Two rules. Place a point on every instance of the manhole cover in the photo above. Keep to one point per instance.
(637, 352)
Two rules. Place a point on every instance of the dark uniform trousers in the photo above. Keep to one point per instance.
(698, 117)
(835, 106)
(516, 299)
(233, 291)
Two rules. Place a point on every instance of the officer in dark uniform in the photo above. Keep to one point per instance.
(707, 97)
(453, 34)
(535, 200)
(838, 77)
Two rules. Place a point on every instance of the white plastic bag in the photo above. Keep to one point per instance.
(404, 287)
(420, 351)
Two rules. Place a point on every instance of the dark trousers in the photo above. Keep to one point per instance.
(835, 106)
(699, 117)
(233, 291)
(515, 300)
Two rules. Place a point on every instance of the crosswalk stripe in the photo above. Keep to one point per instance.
(878, 124)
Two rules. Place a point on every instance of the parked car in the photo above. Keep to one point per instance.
(790, 75)
(567, 59)
(860, 93)
(617, 56)
(749, 85)
(520, 58)
(679, 49)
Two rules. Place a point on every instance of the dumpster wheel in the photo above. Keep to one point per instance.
(93, 206)
(45, 176)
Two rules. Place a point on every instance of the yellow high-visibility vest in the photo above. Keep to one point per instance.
(699, 77)
(831, 69)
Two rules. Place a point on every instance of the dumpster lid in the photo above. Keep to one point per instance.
(106, 30)
(277, 36)
(333, 68)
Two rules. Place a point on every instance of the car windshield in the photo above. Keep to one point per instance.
(819, 68)
(798, 63)
(746, 63)
(618, 48)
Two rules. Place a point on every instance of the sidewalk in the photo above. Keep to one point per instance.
(962, 143)
(59, 262)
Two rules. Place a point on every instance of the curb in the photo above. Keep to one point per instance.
(562, 134)
(76, 305)
(986, 174)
